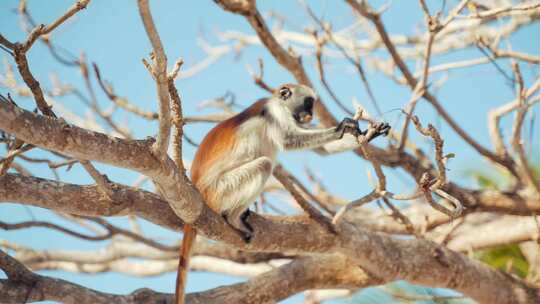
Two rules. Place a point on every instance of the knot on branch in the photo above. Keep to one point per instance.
(81, 4)
(242, 7)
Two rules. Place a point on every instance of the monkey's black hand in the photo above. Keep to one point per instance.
(348, 125)
(381, 128)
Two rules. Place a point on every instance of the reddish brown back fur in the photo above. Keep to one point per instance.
(219, 141)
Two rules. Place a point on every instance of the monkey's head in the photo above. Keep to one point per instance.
(298, 99)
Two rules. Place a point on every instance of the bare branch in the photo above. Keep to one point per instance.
(178, 119)
(289, 182)
(120, 101)
(75, 8)
(496, 12)
(523, 164)
(289, 61)
(86, 200)
(299, 275)
(258, 78)
(159, 72)
(374, 17)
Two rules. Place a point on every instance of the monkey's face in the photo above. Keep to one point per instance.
(299, 99)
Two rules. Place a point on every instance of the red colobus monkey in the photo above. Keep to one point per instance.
(237, 156)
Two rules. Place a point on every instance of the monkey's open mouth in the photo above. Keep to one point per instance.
(303, 117)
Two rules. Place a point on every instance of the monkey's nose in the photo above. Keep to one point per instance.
(308, 102)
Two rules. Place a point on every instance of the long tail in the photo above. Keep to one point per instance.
(190, 234)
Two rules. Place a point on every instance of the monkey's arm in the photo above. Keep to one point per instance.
(347, 143)
(299, 138)
(350, 141)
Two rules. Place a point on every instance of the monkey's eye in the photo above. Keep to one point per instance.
(285, 93)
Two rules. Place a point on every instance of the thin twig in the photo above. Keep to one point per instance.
(355, 62)
(517, 145)
(364, 10)
(401, 217)
(6, 162)
(259, 78)
(94, 103)
(320, 68)
(121, 101)
(79, 5)
(496, 12)
(285, 179)
(101, 180)
(178, 120)
(159, 70)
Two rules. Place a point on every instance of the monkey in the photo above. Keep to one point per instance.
(235, 159)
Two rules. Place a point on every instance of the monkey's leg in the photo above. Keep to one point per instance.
(239, 187)
(243, 234)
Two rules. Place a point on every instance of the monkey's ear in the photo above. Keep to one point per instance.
(285, 93)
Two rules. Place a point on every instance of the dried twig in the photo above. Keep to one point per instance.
(355, 62)
(290, 184)
(121, 101)
(178, 119)
(289, 61)
(259, 78)
(320, 68)
(159, 72)
(364, 10)
(524, 167)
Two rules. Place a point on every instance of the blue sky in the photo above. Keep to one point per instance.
(110, 33)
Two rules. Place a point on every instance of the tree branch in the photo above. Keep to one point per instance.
(306, 273)
(159, 73)
(364, 10)
(87, 200)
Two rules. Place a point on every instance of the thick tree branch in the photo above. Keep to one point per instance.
(87, 200)
(315, 272)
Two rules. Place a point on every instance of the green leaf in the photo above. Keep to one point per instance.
(507, 258)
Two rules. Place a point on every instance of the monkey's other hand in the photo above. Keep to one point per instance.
(348, 125)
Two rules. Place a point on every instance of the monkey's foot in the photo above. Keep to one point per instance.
(243, 219)
(245, 235)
